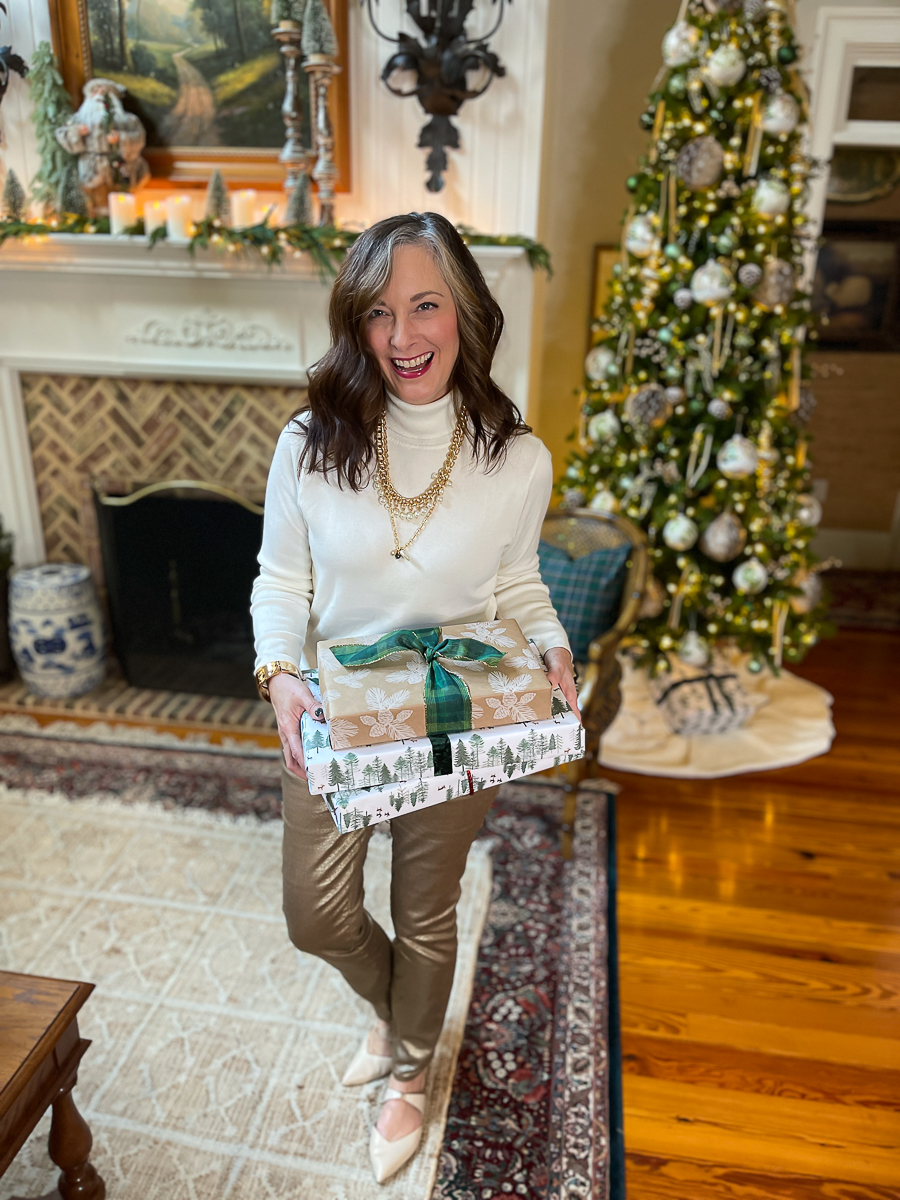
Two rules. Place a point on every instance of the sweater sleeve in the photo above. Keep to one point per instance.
(282, 592)
(520, 592)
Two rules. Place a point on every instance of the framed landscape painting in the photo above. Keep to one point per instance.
(205, 77)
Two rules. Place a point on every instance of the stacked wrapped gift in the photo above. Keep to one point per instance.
(423, 716)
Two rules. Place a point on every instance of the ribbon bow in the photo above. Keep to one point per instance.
(448, 705)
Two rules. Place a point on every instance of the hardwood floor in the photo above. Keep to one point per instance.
(760, 962)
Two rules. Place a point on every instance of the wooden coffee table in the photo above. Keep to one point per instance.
(40, 1050)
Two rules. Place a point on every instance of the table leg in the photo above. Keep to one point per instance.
(69, 1146)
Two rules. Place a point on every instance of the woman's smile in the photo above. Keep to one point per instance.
(413, 368)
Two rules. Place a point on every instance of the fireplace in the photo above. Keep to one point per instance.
(179, 560)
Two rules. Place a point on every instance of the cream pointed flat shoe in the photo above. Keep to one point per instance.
(365, 1066)
(388, 1157)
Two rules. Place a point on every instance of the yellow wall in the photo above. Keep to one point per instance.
(602, 56)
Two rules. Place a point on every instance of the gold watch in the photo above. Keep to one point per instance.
(268, 671)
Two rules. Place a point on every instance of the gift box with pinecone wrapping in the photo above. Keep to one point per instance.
(707, 699)
(438, 680)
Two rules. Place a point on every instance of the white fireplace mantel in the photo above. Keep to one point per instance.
(98, 305)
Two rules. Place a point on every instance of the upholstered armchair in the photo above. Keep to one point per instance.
(581, 532)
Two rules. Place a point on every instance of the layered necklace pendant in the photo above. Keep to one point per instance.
(412, 508)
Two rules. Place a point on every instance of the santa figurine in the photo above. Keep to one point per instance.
(107, 142)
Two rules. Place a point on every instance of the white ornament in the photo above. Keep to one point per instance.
(726, 66)
(724, 538)
(808, 510)
(680, 532)
(604, 501)
(598, 362)
(693, 649)
(750, 576)
(603, 427)
(781, 114)
(680, 44)
(640, 237)
(771, 197)
(683, 298)
(737, 458)
(711, 283)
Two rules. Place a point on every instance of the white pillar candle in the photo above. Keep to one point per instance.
(178, 218)
(243, 208)
(154, 215)
(122, 212)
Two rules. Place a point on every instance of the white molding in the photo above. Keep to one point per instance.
(846, 38)
(19, 506)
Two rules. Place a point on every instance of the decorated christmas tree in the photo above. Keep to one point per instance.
(694, 400)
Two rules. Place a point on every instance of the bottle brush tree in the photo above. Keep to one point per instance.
(695, 399)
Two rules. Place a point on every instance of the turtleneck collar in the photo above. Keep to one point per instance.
(421, 424)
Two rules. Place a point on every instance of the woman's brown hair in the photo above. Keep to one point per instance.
(347, 391)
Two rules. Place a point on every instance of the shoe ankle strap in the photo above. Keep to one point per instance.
(416, 1099)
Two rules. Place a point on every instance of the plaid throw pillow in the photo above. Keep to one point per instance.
(586, 592)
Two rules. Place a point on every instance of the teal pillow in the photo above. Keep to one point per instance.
(586, 591)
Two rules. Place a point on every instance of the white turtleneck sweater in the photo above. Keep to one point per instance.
(326, 569)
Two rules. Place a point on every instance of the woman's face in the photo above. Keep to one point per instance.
(412, 330)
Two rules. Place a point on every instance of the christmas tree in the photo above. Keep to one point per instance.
(218, 202)
(318, 32)
(695, 402)
(13, 202)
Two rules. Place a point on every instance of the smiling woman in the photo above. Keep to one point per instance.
(410, 495)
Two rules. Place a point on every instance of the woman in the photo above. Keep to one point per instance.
(410, 494)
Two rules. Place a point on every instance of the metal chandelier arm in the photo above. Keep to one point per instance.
(387, 37)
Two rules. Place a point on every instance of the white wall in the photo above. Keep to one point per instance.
(493, 180)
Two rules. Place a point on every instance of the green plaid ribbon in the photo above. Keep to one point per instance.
(448, 705)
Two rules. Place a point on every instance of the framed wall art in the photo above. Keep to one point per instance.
(205, 77)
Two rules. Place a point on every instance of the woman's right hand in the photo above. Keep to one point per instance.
(291, 698)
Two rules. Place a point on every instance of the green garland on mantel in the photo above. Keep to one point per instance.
(326, 245)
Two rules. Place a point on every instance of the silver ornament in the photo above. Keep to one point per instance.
(711, 283)
(808, 510)
(573, 498)
(781, 114)
(603, 500)
(726, 65)
(777, 284)
(718, 408)
(753, 9)
(700, 163)
(603, 427)
(680, 532)
(693, 649)
(771, 197)
(750, 576)
(649, 405)
(724, 538)
(597, 362)
(683, 298)
(675, 394)
(811, 591)
(737, 458)
(679, 46)
(749, 275)
(640, 237)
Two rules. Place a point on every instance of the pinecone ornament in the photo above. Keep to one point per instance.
(776, 285)
(754, 9)
(749, 275)
(649, 405)
(770, 79)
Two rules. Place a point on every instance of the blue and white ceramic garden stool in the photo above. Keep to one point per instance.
(56, 629)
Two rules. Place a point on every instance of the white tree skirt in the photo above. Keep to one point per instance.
(793, 723)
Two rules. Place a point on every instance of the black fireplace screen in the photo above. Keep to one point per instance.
(179, 569)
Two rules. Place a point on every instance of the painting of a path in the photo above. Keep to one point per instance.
(198, 72)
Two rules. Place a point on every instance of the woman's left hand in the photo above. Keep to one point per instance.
(561, 674)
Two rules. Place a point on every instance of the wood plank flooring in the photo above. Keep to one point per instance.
(760, 962)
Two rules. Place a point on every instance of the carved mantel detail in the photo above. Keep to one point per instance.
(208, 330)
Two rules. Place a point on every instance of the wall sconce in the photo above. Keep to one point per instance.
(443, 69)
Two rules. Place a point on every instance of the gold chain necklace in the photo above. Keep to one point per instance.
(412, 507)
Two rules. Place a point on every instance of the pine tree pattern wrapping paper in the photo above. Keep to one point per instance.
(361, 807)
(695, 700)
(413, 760)
(385, 701)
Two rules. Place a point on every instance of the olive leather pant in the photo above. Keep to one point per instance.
(408, 981)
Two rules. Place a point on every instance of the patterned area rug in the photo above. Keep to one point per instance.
(529, 1107)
